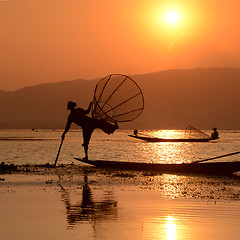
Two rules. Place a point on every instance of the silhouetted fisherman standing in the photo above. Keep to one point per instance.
(88, 124)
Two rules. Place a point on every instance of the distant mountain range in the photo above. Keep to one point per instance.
(204, 98)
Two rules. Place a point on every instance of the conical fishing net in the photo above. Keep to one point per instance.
(117, 98)
(192, 132)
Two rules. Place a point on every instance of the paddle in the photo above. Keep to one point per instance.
(58, 153)
(216, 157)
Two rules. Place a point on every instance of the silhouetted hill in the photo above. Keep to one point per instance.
(204, 98)
(43, 106)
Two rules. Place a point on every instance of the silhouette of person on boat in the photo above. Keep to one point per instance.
(88, 124)
(135, 132)
(214, 134)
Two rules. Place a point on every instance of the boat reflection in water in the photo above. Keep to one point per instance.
(88, 210)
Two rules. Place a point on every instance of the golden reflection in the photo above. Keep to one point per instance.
(166, 152)
(171, 186)
(170, 133)
(163, 227)
(171, 228)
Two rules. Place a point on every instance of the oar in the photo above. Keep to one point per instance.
(58, 153)
(216, 157)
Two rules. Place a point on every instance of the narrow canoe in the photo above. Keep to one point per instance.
(155, 139)
(216, 168)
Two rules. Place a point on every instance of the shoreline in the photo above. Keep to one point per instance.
(186, 186)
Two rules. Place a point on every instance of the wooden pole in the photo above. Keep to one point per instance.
(58, 153)
(216, 157)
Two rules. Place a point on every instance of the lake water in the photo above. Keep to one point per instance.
(41, 146)
(75, 201)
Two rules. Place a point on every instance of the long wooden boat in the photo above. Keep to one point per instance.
(155, 139)
(213, 168)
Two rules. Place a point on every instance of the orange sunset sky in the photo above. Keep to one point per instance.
(57, 40)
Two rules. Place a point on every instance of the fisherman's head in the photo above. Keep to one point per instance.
(71, 105)
(214, 129)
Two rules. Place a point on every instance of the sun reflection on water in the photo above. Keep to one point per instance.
(169, 189)
(164, 152)
(168, 152)
(170, 228)
(175, 134)
(163, 227)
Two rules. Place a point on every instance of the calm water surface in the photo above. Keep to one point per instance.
(39, 147)
(79, 202)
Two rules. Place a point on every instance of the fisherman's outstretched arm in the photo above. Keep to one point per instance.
(68, 125)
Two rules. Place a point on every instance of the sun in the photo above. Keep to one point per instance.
(172, 17)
